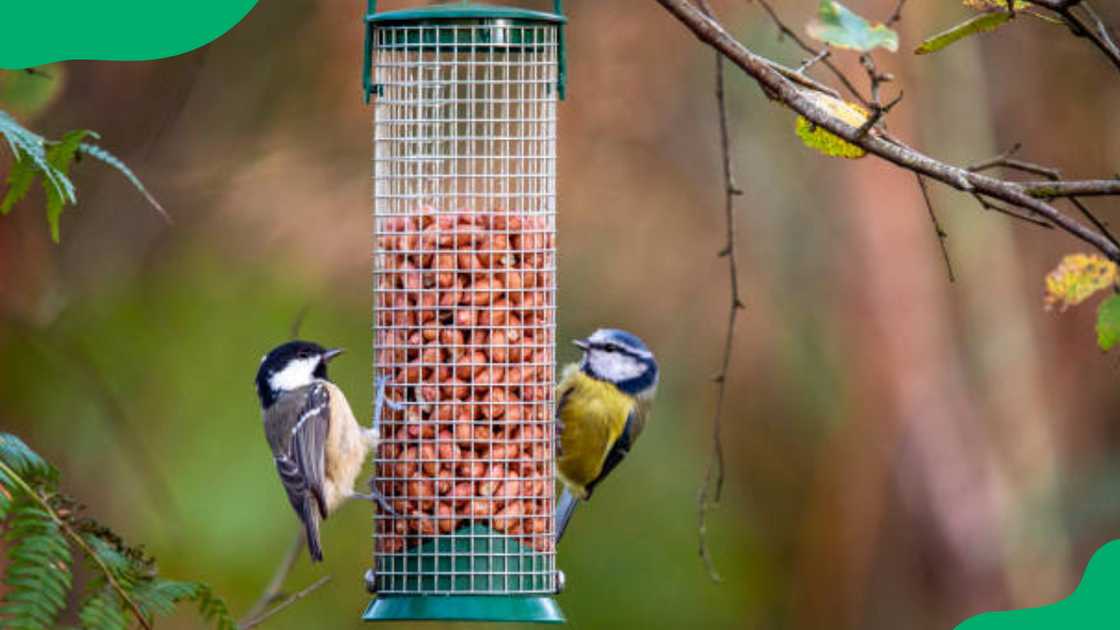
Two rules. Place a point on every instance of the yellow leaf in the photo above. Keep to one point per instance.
(1077, 278)
(825, 141)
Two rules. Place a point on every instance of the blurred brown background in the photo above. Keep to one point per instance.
(903, 452)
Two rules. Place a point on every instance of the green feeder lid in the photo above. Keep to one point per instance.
(502, 31)
(469, 11)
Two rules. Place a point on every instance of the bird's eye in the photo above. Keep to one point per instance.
(610, 347)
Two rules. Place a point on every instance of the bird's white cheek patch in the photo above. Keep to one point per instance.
(296, 374)
(615, 366)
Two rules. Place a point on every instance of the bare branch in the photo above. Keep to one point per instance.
(941, 235)
(1072, 188)
(898, 153)
(1099, 35)
(1052, 174)
(1100, 225)
(987, 205)
(711, 489)
(896, 15)
(275, 587)
(809, 63)
(785, 31)
(284, 604)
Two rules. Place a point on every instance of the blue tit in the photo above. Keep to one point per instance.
(604, 402)
(318, 445)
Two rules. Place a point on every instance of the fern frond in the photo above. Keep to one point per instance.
(24, 461)
(40, 524)
(213, 608)
(38, 573)
(60, 155)
(26, 144)
(103, 610)
(100, 153)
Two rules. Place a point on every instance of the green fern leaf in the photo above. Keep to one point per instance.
(32, 145)
(103, 610)
(99, 153)
(19, 181)
(38, 573)
(61, 157)
(24, 461)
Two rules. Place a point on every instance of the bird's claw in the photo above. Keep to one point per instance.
(382, 401)
(377, 498)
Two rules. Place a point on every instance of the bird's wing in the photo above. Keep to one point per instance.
(618, 451)
(301, 466)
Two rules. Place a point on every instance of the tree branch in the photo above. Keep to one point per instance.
(1072, 188)
(712, 487)
(284, 604)
(941, 235)
(785, 31)
(898, 153)
(275, 587)
(1100, 37)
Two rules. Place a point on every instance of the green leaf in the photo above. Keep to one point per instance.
(1108, 323)
(982, 23)
(60, 156)
(837, 25)
(19, 181)
(825, 141)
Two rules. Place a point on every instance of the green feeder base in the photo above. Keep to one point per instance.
(538, 609)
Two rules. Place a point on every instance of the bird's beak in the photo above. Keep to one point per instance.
(332, 353)
(581, 344)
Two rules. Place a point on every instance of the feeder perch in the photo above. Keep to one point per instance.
(465, 99)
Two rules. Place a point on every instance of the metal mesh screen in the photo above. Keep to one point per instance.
(464, 307)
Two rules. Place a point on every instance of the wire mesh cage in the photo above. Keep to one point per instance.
(465, 102)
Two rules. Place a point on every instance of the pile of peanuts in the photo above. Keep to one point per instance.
(464, 335)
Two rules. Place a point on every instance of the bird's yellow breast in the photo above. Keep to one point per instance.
(594, 415)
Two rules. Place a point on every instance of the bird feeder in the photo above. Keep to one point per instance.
(465, 100)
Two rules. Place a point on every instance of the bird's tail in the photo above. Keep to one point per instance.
(564, 510)
(311, 528)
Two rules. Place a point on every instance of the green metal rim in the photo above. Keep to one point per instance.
(469, 13)
(464, 608)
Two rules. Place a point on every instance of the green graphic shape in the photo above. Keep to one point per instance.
(37, 32)
(1092, 604)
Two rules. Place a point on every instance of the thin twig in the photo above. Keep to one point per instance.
(284, 604)
(1100, 225)
(987, 205)
(1099, 37)
(78, 540)
(785, 31)
(809, 63)
(712, 33)
(297, 322)
(1051, 174)
(711, 489)
(896, 15)
(941, 235)
(275, 587)
(1072, 188)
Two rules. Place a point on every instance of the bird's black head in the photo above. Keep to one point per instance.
(290, 366)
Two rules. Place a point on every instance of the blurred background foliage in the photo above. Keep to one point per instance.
(903, 452)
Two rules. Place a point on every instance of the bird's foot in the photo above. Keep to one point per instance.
(380, 402)
(377, 498)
